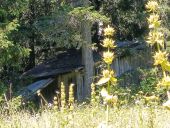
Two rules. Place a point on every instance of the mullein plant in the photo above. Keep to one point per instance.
(156, 38)
(63, 97)
(71, 97)
(108, 76)
(93, 94)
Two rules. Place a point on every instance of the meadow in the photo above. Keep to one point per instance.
(109, 107)
(88, 116)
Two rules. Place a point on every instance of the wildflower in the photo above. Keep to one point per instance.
(165, 82)
(151, 98)
(108, 98)
(160, 57)
(108, 57)
(137, 102)
(63, 96)
(108, 43)
(55, 102)
(151, 38)
(55, 98)
(107, 76)
(154, 21)
(71, 108)
(107, 73)
(112, 99)
(140, 92)
(167, 103)
(109, 31)
(152, 6)
(71, 96)
(104, 92)
(166, 65)
(155, 37)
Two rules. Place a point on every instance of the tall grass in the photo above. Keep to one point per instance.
(87, 117)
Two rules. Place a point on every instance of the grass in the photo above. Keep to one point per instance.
(88, 117)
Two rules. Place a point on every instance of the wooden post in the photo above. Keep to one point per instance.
(87, 54)
(87, 58)
(80, 83)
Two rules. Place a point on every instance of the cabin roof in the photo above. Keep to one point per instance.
(65, 61)
(32, 89)
(70, 60)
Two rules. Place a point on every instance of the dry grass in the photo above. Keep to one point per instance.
(89, 117)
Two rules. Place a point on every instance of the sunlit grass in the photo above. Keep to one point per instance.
(88, 117)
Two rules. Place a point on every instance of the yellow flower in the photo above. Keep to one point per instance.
(166, 65)
(160, 57)
(109, 31)
(110, 99)
(107, 73)
(167, 103)
(165, 82)
(154, 21)
(108, 43)
(151, 98)
(152, 6)
(108, 57)
(104, 92)
(155, 37)
(160, 39)
(107, 76)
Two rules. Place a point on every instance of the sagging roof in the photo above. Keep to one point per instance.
(32, 89)
(64, 62)
(70, 60)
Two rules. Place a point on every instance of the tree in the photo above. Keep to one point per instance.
(11, 52)
(128, 17)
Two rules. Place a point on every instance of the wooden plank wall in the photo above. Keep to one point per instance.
(124, 64)
(76, 78)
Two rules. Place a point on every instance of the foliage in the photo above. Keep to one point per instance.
(14, 7)
(127, 16)
(9, 57)
(11, 52)
(63, 27)
(164, 9)
(149, 80)
(88, 14)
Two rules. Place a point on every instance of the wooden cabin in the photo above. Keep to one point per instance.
(68, 67)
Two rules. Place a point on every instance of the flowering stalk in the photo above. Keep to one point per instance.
(93, 93)
(63, 96)
(156, 37)
(108, 74)
(71, 96)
